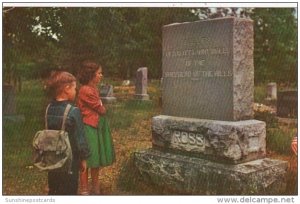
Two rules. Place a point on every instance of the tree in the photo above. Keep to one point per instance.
(275, 40)
(275, 50)
(22, 42)
(121, 39)
(124, 39)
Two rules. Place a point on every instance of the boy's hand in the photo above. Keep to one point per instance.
(83, 166)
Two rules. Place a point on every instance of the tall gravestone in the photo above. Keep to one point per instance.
(9, 105)
(272, 91)
(107, 94)
(141, 84)
(206, 141)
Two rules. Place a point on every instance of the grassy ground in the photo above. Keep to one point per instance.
(130, 122)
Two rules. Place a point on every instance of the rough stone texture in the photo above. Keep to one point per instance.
(243, 69)
(141, 84)
(208, 69)
(221, 141)
(192, 175)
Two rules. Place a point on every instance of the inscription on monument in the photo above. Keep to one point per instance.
(197, 74)
(185, 139)
(192, 62)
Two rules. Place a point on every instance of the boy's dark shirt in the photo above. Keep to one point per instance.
(74, 127)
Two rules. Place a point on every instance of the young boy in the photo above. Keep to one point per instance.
(62, 89)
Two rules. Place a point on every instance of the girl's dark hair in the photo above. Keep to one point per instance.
(87, 72)
(56, 82)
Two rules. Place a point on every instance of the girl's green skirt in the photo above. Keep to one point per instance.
(100, 144)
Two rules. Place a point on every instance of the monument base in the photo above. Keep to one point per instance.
(107, 100)
(191, 175)
(142, 97)
(221, 141)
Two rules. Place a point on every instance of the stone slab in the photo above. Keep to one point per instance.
(221, 141)
(190, 175)
(207, 69)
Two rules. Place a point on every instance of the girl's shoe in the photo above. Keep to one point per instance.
(84, 191)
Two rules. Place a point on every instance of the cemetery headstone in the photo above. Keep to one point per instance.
(206, 141)
(287, 104)
(141, 84)
(272, 91)
(9, 100)
(9, 105)
(206, 64)
(107, 94)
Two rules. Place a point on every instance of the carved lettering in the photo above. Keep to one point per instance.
(197, 74)
(200, 139)
(196, 52)
(176, 135)
(184, 138)
(191, 138)
(177, 74)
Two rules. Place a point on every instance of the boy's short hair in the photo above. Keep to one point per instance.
(87, 71)
(57, 81)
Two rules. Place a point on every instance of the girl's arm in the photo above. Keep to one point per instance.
(93, 101)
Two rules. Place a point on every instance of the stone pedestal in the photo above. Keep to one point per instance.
(221, 141)
(196, 156)
(191, 175)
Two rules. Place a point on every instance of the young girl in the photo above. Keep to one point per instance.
(95, 125)
(62, 89)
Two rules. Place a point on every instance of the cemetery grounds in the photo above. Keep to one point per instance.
(130, 123)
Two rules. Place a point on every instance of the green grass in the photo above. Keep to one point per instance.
(279, 140)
